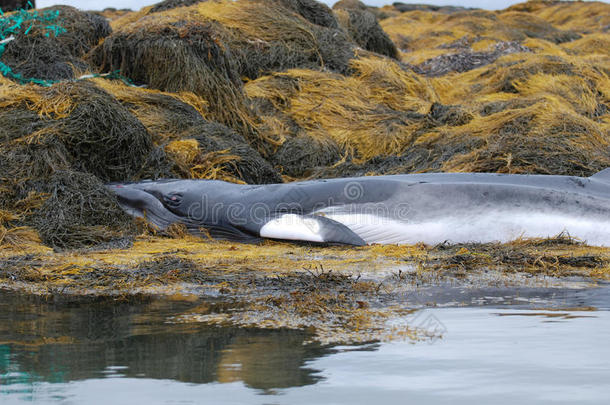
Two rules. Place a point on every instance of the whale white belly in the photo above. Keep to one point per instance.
(482, 227)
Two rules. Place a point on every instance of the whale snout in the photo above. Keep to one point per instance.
(133, 201)
(142, 203)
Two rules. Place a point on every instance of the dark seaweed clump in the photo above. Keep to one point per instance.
(248, 165)
(313, 11)
(179, 56)
(364, 29)
(79, 212)
(171, 4)
(98, 135)
(45, 56)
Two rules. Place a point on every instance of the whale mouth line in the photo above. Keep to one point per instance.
(146, 204)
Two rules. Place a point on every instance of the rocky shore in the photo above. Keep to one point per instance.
(265, 91)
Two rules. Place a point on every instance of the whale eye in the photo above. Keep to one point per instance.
(172, 200)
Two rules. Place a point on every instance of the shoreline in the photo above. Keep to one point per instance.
(342, 294)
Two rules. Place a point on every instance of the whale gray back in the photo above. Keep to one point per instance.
(392, 209)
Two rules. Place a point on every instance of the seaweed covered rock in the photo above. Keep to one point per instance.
(178, 56)
(14, 208)
(566, 77)
(34, 156)
(111, 13)
(78, 212)
(302, 155)
(381, 13)
(213, 151)
(364, 29)
(54, 47)
(547, 138)
(579, 16)
(538, 139)
(260, 35)
(403, 8)
(535, 27)
(313, 11)
(350, 5)
(524, 113)
(64, 210)
(12, 5)
(481, 36)
(593, 44)
(103, 136)
(70, 125)
(467, 60)
(270, 36)
(165, 115)
(208, 47)
(171, 4)
(375, 111)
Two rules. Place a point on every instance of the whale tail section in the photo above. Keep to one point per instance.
(603, 176)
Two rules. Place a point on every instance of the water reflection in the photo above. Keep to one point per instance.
(71, 353)
(60, 342)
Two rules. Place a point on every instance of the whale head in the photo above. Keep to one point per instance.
(151, 200)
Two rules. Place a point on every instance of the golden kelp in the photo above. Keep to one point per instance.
(177, 55)
(375, 111)
(183, 116)
(580, 16)
(250, 91)
(541, 106)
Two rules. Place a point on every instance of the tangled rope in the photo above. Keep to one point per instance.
(20, 23)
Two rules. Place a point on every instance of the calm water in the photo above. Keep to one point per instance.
(125, 353)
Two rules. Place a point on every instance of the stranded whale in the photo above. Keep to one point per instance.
(430, 208)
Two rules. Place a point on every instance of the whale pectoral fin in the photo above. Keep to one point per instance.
(310, 228)
(603, 175)
(335, 232)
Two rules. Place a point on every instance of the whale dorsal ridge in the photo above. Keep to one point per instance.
(603, 175)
